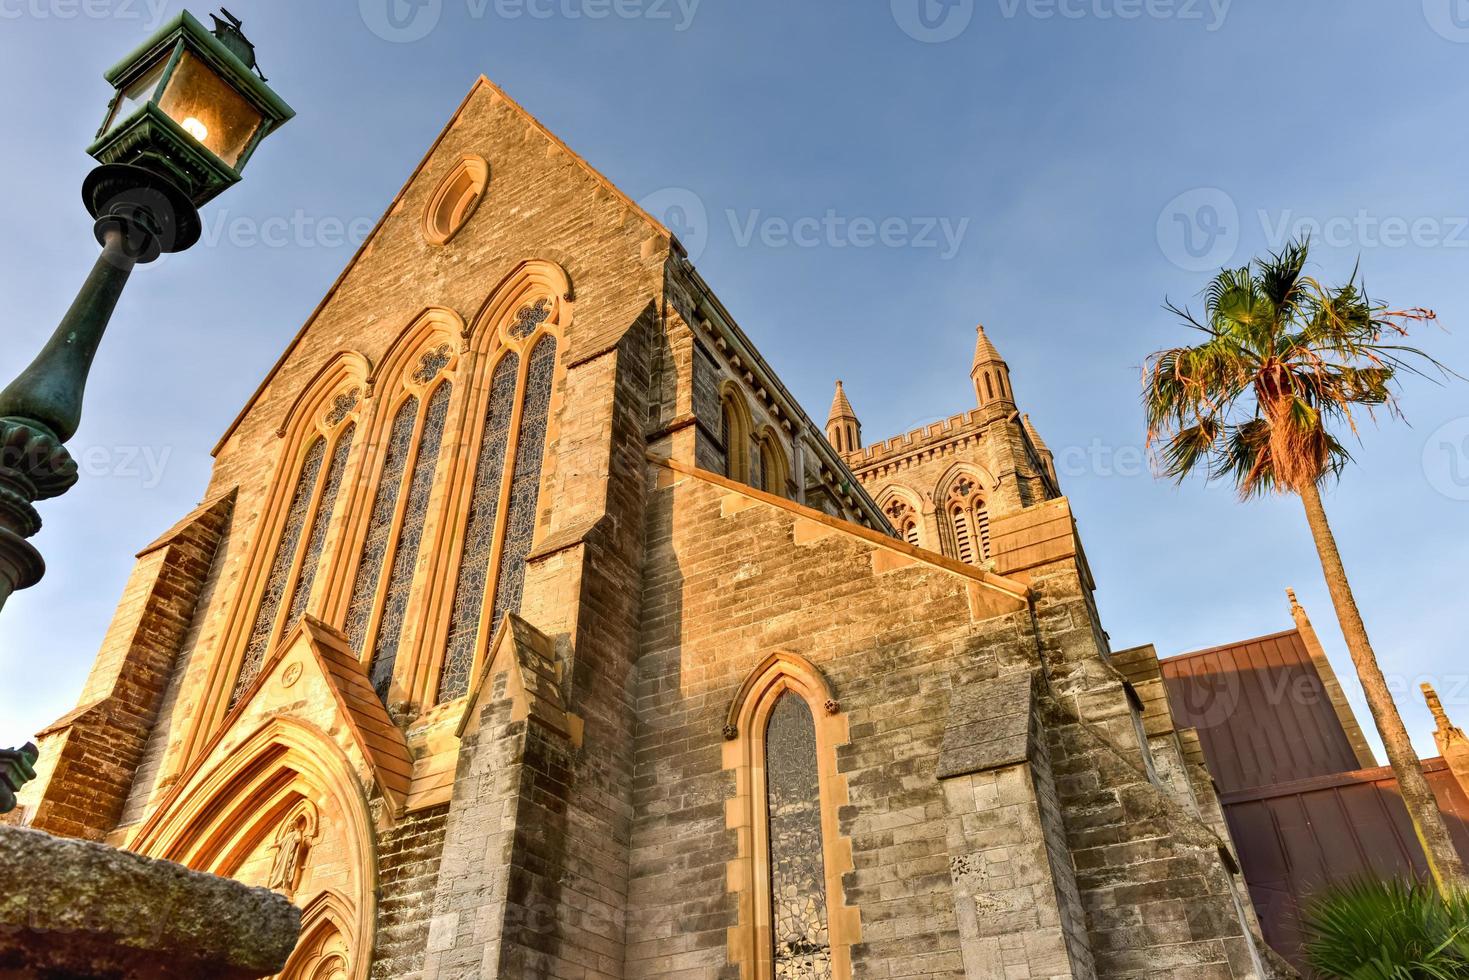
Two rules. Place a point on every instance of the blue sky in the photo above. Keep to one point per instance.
(863, 183)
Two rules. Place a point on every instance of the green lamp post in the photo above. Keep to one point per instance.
(189, 110)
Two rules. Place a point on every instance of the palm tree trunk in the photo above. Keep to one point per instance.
(1443, 859)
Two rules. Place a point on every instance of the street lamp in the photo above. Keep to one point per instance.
(189, 110)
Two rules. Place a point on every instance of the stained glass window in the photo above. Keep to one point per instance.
(336, 474)
(527, 318)
(525, 484)
(479, 533)
(380, 524)
(798, 911)
(280, 568)
(410, 535)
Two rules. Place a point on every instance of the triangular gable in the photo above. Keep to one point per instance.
(499, 94)
(376, 737)
(380, 739)
(528, 658)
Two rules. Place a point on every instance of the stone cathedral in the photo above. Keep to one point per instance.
(529, 627)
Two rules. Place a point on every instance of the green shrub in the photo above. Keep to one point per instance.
(1388, 930)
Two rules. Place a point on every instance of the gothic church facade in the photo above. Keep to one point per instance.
(530, 628)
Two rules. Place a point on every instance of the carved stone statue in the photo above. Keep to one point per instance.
(290, 855)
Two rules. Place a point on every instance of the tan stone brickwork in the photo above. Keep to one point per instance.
(999, 795)
(90, 756)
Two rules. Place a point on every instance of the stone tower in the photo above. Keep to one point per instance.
(944, 485)
(530, 628)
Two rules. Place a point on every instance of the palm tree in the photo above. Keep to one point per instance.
(1285, 361)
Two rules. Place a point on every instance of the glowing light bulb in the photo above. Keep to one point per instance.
(195, 129)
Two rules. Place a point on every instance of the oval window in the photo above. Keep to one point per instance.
(454, 201)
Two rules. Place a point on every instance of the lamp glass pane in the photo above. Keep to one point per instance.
(136, 92)
(209, 109)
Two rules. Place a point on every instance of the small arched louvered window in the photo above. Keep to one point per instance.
(969, 522)
(904, 519)
(302, 540)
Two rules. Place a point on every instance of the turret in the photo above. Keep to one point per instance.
(843, 430)
(1048, 459)
(990, 373)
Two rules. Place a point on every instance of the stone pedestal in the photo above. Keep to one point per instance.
(74, 909)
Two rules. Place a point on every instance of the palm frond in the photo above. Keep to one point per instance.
(1284, 351)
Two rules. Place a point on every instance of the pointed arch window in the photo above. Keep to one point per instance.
(298, 551)
(774, 471)
(799, 921)
(735, 431)
(795, 922)
(384, 579)
(525, 483)
(904, 519)
(969, 521)
(504, 496)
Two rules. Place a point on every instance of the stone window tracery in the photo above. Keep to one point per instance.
(525, 482)
(297, 542)
(384, 579)
(904, 520)
(380, 524)
(410, 539)
(505, 494)
(479, 534)
(969, 521)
